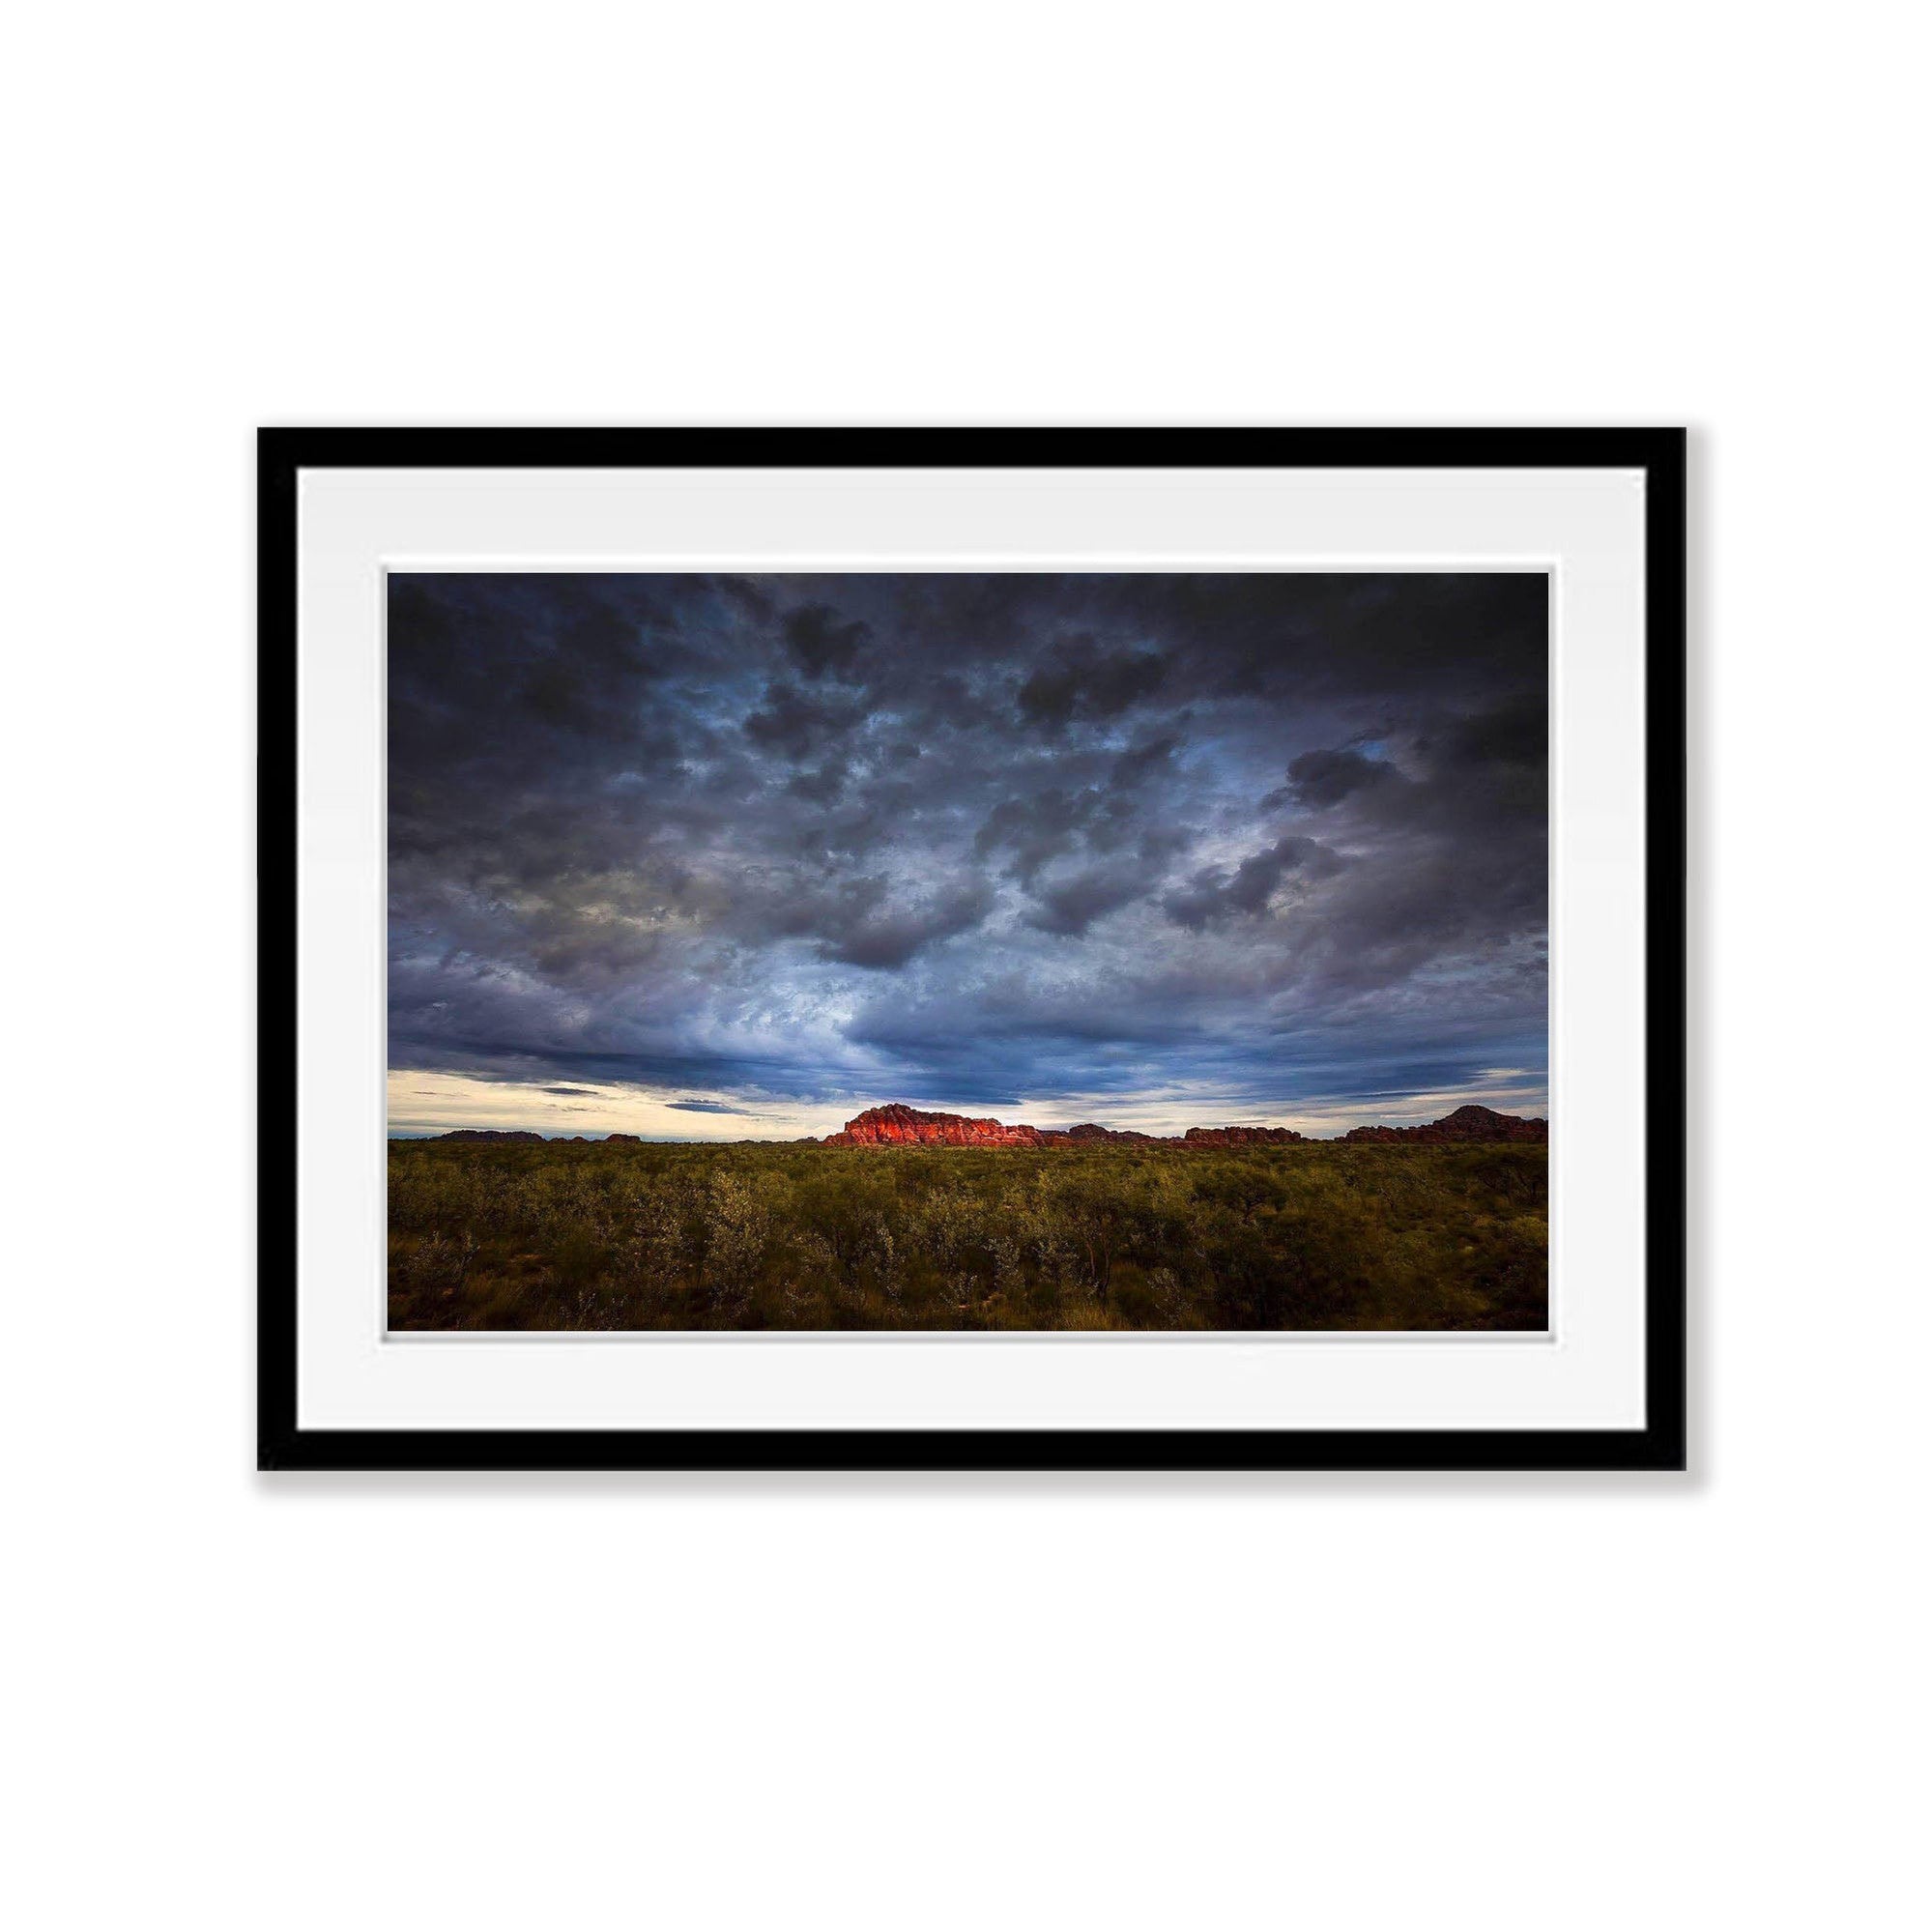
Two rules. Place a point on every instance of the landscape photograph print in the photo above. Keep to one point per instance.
(1110, 953)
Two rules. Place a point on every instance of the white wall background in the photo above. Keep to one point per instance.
(1334, 1703)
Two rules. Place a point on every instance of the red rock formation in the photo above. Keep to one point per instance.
(1469, 1124)
(906, 1126)
(1240, 1137)
(898, 1126)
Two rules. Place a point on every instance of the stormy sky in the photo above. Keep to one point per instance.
(733, 856)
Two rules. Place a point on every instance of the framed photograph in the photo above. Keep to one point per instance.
(972, 949)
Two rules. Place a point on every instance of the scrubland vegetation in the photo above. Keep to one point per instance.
(592, 1236)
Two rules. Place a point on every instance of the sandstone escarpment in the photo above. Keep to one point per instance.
(1466, 1123)
(898, 1126)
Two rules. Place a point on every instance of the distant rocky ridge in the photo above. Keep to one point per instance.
(1466, 1123)
(900, 1126)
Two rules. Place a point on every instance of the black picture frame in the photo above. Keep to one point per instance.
(1660, 1444)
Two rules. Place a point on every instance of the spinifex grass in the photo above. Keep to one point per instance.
(748, 1236)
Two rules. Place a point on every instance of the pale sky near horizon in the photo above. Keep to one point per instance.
(734, 857)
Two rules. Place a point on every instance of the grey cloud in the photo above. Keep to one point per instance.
(1214, 894)
(1034, 829)
(888, 935)
(1138, 763)
(820, 642)
(1070, 905)
(796, 725)
(1086, 681)
(1320, 779)
(1515, 733)
(821, 787)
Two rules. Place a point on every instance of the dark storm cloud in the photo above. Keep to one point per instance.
(969, 838)
(1070, 905)
(703, 1107)
(1140, 763)
(1320, 779)
(821, 642)
(1085, 679)
(861, 922)
(1215, 893)
(1030, 830)
(798, 725)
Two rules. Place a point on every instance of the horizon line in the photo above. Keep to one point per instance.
(815, 1139)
